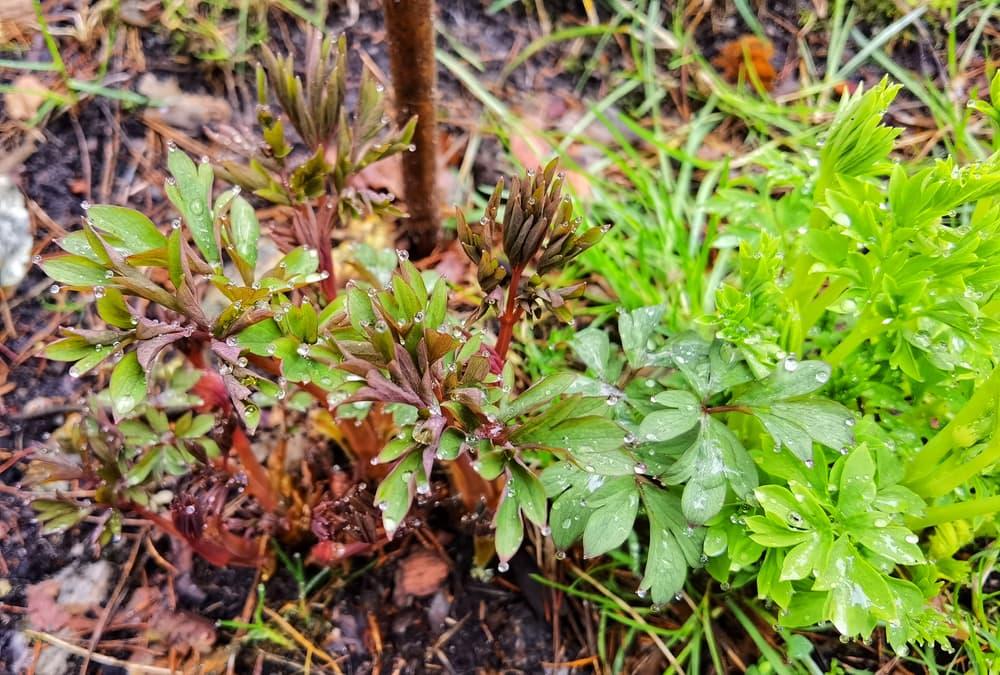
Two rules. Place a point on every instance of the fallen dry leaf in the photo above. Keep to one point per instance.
(16, 10)
(183, 631)
(735, 56)
(420, 574)
(44, 613)
(180, 109)
(25, 97)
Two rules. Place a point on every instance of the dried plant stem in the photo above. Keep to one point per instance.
(99, 658)
(410, 34)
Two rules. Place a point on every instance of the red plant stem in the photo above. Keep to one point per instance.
(511, 313)
(258, 481)
(713, 410)
(329, 285)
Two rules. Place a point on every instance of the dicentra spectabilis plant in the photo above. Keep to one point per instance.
(429, 386)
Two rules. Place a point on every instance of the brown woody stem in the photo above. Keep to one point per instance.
(410, 37)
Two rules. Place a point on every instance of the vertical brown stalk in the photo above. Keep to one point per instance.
(410, 34)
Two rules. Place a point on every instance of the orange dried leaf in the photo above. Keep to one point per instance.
(747, 58)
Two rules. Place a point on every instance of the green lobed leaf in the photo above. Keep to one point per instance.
(663, 425)
(530, 493)
(635, 329)
(592, 348)
(191, 193)
(395, 493)
(611, 522)
(898, 544)
(245, 229)
(258, 338)
(70, 348)
(112, 308)
(135, 232)
(128, 386)
(509, 528)
(859, 596)
(791, 379)
(857, 482)
(672, 547)
(542, 393)
(74, 270)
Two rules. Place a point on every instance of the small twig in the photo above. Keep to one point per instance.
(578, 663)
(448, 634)
(47, 412)
(302, 639)
(85, 168)
(109, 609)
(160, 560)
(103, 659)
(15, 458)
(8, 318)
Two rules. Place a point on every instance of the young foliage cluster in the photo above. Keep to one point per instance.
(716, 448)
